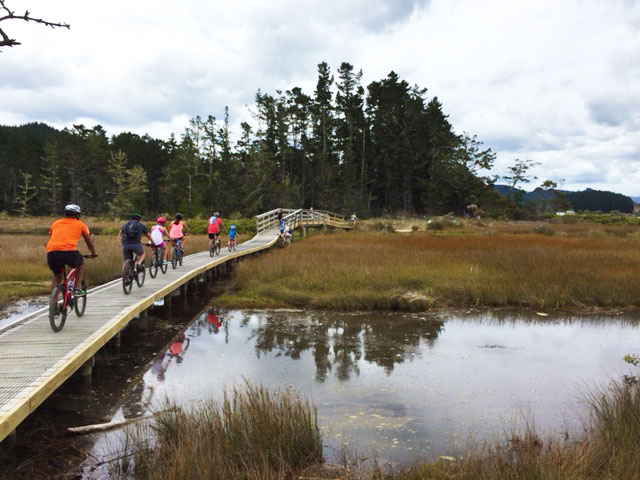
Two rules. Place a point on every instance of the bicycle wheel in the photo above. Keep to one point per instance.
(181, 254)
(163, 266)
(127, 277)
(218, 247)
(174, 257)
(57, 309)
(212, 249)
(140, 274)
(153, 268)
(80, 301)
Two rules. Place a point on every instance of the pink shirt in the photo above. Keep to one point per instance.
(176, 230)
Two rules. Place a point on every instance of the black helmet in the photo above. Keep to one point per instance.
(178, 215)
(135, 216)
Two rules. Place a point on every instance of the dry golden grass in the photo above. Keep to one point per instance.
(414, 271)
(24, 271)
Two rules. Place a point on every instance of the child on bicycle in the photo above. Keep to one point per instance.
(177, 231)
(158, 232)
(62, 248)
(232, 235)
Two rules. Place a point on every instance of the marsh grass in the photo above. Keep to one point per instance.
(255, 433)
(373, 271)
(24, 271)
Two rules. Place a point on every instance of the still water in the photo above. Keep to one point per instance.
(399, 386)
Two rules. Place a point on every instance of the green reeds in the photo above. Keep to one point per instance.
(255, 433)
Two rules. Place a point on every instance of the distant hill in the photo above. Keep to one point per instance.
(594, 200)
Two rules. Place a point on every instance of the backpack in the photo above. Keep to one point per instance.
(130, 231)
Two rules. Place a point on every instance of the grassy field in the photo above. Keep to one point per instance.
(258, 434)
(539, 266)
(24, 271)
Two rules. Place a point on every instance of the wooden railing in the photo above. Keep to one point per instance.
(299, 217)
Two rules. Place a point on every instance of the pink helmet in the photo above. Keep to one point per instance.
(161, 220)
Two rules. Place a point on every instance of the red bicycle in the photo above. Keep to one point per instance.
(64, 298)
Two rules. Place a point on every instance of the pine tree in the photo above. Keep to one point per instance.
(27, 192)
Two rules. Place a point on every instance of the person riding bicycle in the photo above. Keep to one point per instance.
(353, 219)
(232, 233)
(214, 228)
(62, 248)
(130, 235)
(158, 232)
(177, 231)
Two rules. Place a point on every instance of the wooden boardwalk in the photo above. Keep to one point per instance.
(35, 361)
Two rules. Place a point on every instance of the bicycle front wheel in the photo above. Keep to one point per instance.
(174, 258)
(212, 250)
(163, 266)
(218, 248)
(180, 255)
(153, 268)
(127, 277)
(57, 309)
(80, 301)
(140, 274)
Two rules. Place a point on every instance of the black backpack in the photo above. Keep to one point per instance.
(131, 231)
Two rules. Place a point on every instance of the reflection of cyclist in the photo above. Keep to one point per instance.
(130, 235)
(177, 348)
(213, 320)
(214, 228)
(178, 230)
(159, 366)
(62, 248)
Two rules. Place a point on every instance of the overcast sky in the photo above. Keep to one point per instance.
(554, 81)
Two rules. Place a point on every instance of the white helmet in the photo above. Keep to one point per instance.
(72, 208)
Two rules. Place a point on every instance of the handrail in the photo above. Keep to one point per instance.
(295, 218)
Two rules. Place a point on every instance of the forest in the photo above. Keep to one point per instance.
(385, 149)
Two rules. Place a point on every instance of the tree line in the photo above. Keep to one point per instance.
(388, 148)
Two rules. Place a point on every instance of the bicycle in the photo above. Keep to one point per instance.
(176, 254)
(131, 273)
(156, 261)
(232, 244)
(214, 247)
(63, 297)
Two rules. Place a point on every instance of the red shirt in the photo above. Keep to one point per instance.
(214, 227)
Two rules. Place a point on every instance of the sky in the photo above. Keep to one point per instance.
(553, 81)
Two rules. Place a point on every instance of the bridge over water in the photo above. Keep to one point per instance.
(35, 361)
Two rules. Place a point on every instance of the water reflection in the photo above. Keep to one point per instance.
(402, 385)
(339, 343)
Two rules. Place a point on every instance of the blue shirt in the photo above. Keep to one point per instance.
(232, 233)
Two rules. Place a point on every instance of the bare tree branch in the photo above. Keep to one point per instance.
(5, 40)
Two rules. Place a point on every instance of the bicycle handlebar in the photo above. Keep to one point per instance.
(90, 256)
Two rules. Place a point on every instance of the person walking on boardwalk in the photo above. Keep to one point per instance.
(62, 248)
(130, 235)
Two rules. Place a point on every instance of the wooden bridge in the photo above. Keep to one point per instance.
(35, 361)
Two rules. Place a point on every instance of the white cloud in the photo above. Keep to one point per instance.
(557, 82)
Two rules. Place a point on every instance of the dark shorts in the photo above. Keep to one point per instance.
(213, 235)
(58, 259)
(129, 250)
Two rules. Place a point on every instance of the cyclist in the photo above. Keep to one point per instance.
(177, 231)
(130, 235)
(62, 248)
(232, 233)
(158, 232)
(214, 228)
(353, 219)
